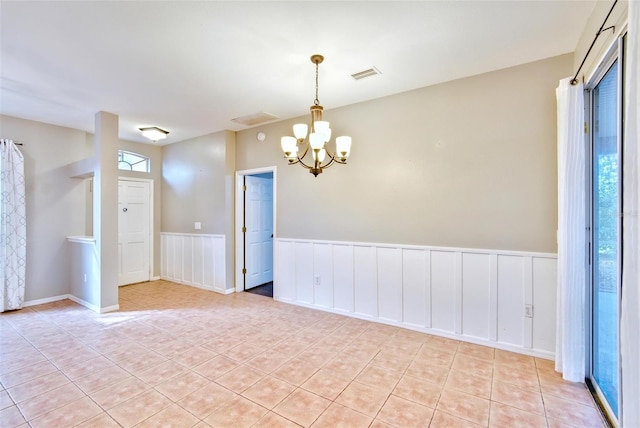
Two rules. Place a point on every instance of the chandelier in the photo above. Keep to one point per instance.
(314, 143)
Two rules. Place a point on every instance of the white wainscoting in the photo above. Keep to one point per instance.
(194, 259)
(473, 295)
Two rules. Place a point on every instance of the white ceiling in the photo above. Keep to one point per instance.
(191, 67)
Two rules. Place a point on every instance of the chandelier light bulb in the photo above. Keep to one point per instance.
(343, 146)
(321, 126)
(300, 130)
(288, 145)
(320, 156)
(316, 140)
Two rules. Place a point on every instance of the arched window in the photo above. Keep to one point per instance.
(133, 162)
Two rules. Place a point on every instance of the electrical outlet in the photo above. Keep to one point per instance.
(528, 311)
(316, 280)
(197, 225)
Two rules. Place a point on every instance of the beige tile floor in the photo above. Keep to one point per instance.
(183, 357)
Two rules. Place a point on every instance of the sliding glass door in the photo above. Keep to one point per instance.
(606, 176)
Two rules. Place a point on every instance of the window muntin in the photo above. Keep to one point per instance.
(129, 161)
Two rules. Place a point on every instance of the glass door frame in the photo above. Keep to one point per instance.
(616, 53)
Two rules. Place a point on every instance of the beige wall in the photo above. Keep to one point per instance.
(193, 188)
(198, 182)
(469, 163)
(55, 202)
(52, 196)
(229, 183)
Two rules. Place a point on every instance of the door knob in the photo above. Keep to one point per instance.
(124, 210)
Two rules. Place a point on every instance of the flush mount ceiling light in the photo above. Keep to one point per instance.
(316, 140)
(154, 133)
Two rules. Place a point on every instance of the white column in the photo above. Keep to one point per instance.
(105, 207)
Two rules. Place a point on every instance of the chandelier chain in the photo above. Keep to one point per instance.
(316, 101)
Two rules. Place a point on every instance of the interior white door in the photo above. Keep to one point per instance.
(134, 231)
(259, 236)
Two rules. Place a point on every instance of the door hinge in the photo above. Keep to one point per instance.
(586, 127)
(244, 229)
(244, 188)
(244, 271)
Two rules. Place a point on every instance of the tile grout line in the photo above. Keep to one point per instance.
(238, 309)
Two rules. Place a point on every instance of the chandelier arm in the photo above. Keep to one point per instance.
(292, 162)
(328, 164)
(299, 159)
(306, 150)
(302, 163)
(335, 158)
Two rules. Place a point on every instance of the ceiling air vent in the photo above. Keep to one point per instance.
(254, 119)
(365, 73)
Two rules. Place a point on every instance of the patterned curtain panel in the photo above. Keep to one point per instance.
(13, 227)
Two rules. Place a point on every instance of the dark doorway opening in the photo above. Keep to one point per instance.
(263, 290)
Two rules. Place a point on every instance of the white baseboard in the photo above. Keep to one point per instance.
(91, 306)
(111, 308)
(45, 300)
(464, 338)
(199, 286)
(84, 303)
(73, 299)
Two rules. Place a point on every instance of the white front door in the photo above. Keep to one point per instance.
(134, 231)
(259, 236)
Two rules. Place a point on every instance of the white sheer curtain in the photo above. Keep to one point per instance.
(13, 231)
(630, 304)
(570, 313)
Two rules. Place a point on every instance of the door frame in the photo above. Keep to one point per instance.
(613, 54)
(239, 238)
(151, 223)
